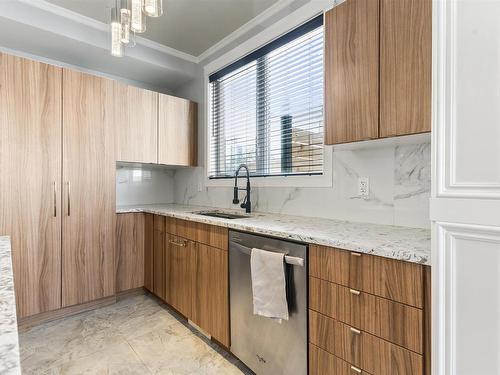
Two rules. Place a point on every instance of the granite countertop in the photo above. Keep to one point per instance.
(408, 244)
(9, 340)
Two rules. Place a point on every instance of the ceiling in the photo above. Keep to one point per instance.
(190, 26)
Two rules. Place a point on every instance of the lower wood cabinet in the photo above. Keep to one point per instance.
(210, 310)
(180, 275)
(148, 251)
(130, 234)
(159, 256)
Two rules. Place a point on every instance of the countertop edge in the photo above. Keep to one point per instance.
(407, 255)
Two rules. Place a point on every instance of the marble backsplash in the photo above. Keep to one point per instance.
(399, 189)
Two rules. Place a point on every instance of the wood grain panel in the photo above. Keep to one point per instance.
(177, 131)
(89, 221)
(130, 234)
(148, 251)
(405, 67)
(352, 71)
(136, 112)
(159, 249)
(210, 307)
(323, 363)
(361, 349)
(389, 278)
(210, 235)
(427, 321)
(392, 321)
(30, 182)
(180, 273)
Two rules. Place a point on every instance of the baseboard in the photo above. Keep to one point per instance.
(34, 320)
(131, 293)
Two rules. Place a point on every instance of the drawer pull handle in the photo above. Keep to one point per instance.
(355, 292)
(355, 254)
(178, 243)
(356, 370)
(356, 331)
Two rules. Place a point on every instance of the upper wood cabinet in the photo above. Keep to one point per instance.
(351, 71)
(177, 131)
(405, 67)
(136, 115)
(30, 182)
(130, 257)
(377, 86)
(89, 212)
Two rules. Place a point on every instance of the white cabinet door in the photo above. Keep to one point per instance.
(465, 204)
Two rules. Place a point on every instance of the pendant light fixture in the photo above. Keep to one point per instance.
(153, 8)
(129, 19)
(125, 21)
(138, 22)
(116, 34)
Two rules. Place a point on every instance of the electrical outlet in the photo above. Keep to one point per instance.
(200, 186)
(364, 187)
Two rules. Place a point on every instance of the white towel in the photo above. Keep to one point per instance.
(268, 284)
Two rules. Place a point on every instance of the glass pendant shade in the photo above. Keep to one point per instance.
(138, 20)
(116, 33)
(125, 22)
(153, 8)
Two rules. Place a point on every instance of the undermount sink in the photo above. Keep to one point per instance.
(221, 214)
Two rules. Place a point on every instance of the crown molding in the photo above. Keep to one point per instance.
(101, 26)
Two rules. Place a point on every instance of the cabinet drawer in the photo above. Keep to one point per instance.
(392, 321)
(159, 223)
(207, 234)
(323, 363)
(365, 351)
(389, 278)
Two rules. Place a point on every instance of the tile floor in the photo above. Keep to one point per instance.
(137, 335)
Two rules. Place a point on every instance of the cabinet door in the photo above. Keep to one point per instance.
(89, 212)
(179, 265)
(130, 232)
(148, 251)
(136, 112)
(352, 71)
(159, 256)
(405, 67)
(211, 296)
(177, 131)
(30, 182)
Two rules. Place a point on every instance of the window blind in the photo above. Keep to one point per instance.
(267, 108)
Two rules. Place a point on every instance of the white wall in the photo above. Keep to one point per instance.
(143, 184)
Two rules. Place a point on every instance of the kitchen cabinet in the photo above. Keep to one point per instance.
(159, 256)
(177, 131)
(136, 115)
(210, 310)
(180, 273)
(377, 69)
(368, 312)
(405, 67)
(89, 212)
(148, 251)
(352, 71)
(30, 182)
(130, 255)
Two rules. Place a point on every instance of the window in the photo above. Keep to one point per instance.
(267, 108)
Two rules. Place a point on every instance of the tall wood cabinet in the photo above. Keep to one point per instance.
(377, 69)
(30, 179)
(89, 203)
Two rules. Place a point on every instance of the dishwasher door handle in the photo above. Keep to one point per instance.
(294, 261)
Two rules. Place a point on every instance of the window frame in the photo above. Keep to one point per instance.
(265, 37)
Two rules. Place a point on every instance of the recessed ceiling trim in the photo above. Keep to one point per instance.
(268, 13)
(90, 22)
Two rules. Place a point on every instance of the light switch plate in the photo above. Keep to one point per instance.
(364, 187)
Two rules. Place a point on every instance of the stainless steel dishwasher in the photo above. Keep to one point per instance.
(265, 345)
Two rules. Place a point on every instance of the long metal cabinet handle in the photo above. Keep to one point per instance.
(69, 198)
(183, 244)
(55, 199)
(295, 261)
(355, 369)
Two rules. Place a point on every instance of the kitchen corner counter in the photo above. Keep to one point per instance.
(9, 340)
(408, 244)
